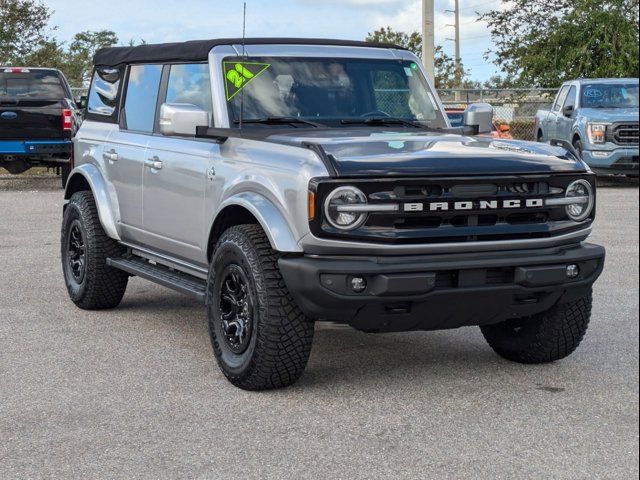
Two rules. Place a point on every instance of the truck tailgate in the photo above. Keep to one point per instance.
(30, 119)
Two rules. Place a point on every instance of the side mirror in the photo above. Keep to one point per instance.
(479, 116)
(81, 102)
(182, 119)
(567, 111)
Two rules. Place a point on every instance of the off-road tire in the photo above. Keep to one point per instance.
(542, 338)
(102, 286)
(65, 171)
(281, 335)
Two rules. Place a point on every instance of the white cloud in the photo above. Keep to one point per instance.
(157, 22)
(357, 3)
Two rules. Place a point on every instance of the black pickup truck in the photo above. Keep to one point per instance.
(38, 118)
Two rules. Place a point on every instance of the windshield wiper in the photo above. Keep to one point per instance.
(384, 121)
(280, 121)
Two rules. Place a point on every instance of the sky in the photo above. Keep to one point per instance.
(164, 21)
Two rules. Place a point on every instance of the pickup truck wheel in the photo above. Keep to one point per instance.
(85, 247)
(260, 337)
(65, 171)
(542, 338)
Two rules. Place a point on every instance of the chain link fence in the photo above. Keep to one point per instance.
(515, 107)
(79, 91)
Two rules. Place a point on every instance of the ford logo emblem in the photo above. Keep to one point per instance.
(9, 115)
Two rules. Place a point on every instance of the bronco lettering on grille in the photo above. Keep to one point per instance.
(473, 205)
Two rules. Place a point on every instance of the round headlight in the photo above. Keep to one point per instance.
(341, 208)
(582, 192)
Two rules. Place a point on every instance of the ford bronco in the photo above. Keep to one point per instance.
(283, 181)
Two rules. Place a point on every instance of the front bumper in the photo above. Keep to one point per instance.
(617, 161)
(430, 292)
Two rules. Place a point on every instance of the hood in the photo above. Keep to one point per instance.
(378, 153)
(610, 115)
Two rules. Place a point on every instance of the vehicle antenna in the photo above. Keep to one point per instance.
(244, 54)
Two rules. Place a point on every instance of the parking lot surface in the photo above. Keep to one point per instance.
(135, 392)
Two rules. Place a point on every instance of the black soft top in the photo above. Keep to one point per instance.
(198, 50)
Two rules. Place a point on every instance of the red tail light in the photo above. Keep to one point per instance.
(67, 119)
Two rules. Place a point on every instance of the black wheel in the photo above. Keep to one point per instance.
(65, 171)
(91, 283)
(542, 338)
(577, 144)
(260, 337)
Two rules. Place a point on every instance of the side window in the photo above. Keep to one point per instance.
(189, 83)
(560, 98)
(571, 98)
(103, 93)
(142, 96)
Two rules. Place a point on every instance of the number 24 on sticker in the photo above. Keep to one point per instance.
(239, 75)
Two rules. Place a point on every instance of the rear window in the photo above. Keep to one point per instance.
(34, 84)
(103, 94)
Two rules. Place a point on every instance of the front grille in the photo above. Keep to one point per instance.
(476, 210)
(625, 134)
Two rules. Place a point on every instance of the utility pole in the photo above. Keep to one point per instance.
(456, 40)
(458, 60)
(428, 48)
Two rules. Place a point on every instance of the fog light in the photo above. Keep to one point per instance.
(573, 271)
(358, 284)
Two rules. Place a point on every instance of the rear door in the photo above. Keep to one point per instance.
(31, 103)
(175, 175)
(124, 152)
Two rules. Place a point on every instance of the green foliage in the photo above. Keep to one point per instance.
(80, 53)
(25, 40)
(446, 73)
(543, 43)
(22, 25)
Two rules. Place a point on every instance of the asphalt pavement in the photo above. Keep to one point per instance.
(135, 393)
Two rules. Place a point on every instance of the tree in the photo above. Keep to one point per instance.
(446, 74)
(22, 28)
(81, 51)
(543, 43)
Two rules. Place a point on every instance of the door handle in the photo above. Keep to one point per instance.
(154, 163)
(111, 155)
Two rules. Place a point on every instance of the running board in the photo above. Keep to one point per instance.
(179, 281)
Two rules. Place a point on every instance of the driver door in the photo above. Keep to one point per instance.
(565, 124)
(177, 172)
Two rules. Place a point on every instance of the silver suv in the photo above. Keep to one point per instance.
(282, 181)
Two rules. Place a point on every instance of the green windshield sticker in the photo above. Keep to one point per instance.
(239, 74)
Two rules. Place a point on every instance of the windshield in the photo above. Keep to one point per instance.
(610, 95)
(328, 91)
(35, 84)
